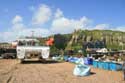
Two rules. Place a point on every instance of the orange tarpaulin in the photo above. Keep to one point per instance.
(50, 42)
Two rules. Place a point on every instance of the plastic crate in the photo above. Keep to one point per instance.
(100, 64)
(106, 65)
(95, 64)
(115, 66)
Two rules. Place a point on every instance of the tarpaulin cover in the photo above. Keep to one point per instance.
(88, 61)
(72, 59)
(81, 70)
(66, 57)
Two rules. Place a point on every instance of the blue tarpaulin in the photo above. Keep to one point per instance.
(73, 59)
(88, 61)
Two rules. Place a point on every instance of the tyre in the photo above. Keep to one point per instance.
(22, 61)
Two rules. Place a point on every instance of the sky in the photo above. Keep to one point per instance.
(18, 18)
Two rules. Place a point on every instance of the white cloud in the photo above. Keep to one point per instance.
(58, 24)
(58, 13)
(38, 32)
(17, 23)
(121, 28)
(18, 29)
(12, 35)
(109, 27)
(42, 15)
(64, 25)
(13, 32)
(102, 27)
(17, 19)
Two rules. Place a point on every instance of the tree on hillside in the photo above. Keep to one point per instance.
(60, 41)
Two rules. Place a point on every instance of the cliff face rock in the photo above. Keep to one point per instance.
(112, 39)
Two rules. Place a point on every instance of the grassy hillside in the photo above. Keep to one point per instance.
(75, 40)
(113, 39)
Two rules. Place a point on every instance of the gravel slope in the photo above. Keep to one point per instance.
(11, 71)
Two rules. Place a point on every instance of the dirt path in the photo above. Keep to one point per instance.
(11, 71)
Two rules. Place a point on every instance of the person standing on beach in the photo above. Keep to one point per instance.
(123, 68)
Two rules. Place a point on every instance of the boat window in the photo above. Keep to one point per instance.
(28, 43)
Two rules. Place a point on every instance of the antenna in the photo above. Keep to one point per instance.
(32, 34)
